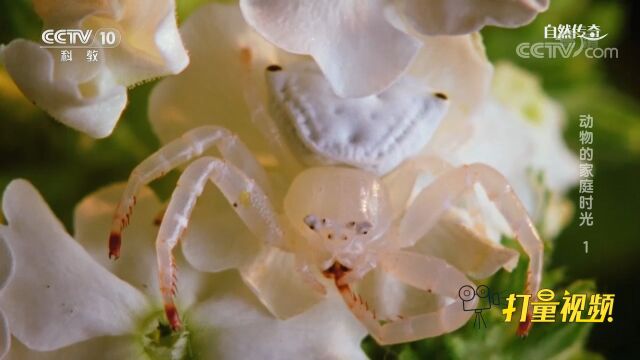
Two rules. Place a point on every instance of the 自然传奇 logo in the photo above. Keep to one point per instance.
(566, 41)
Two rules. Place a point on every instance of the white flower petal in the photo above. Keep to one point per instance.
(390, 297)
(241, 329)
(5, 336)
(108, 348)
(92, 223)
(275, 280)
(6, 261)
(226, 56)
(467, 248)
(6, 271)
(455, 17)
(56, 284)
(501, 140)
(151, 45)
(60, 13)
(137, 264)
(357, 48)
(458, 67)
(84, 97)
(544, 120)
(520, 134)
(217, 238)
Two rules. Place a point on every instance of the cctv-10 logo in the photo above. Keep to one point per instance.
(70, 38)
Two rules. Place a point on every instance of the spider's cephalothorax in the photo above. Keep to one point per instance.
(349, 207)
(346, 211)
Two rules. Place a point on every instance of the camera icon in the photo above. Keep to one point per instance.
(486, 299)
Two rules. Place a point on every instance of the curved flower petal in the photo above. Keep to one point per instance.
(137, 264)
(226, 58)
(545, 120)
(391, 298)
(357, 48)
(7, 263)
(90, 96)
(455, 17)
(109, 348)
(501, 140)
(92, 221)
(150, 43)
(458, 67)
(520, 134)
(466, 248)
(59, 13)
(6, 270)
(274, 279)
(217, 239)
(241, 329)
(5, 336)
(56, 285)
(85, 98)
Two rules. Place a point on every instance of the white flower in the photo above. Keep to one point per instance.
(90, 96)
(6, 270)
(228, 62)
(521, 135)
(209, 92)
(453, 17)
(364, 46)
(66, 300)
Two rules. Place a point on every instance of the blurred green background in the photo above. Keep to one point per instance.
(66, 166)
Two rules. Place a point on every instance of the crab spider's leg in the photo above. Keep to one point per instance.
(305, 273)
(434, 200)
(247, 198)
(423, 272)
(260, 116)
(402, 181)
(190, 145)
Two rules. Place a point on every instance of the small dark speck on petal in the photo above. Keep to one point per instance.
(274, 68)
(441, 96)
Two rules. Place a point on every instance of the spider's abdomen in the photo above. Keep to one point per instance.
(375, 132)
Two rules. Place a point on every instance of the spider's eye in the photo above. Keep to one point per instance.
(363, 227)
(311, 221)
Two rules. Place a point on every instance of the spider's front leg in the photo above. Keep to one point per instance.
(438, 197)
(190, 145)
(423, 272)
(247, 198)
(402, 181)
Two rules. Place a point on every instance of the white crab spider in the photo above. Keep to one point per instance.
(339, 221)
